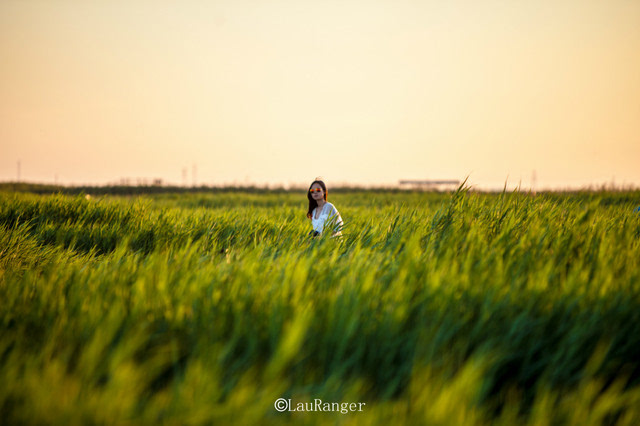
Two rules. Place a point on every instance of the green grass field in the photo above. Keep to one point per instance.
(205, 308)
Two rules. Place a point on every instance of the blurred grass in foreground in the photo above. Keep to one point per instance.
(459, 308)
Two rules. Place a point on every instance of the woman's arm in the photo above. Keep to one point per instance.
(334, 222)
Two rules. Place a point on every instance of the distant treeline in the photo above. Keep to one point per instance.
(36, 188)
(620, 194)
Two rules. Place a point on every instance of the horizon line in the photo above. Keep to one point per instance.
(607, 186)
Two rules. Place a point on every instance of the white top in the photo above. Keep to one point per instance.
(329, 217)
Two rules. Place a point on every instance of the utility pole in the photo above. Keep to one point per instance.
(18, 170)
(534, 181)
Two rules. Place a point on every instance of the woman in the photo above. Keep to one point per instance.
(323, 214)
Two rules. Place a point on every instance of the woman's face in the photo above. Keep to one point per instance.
(315, 194)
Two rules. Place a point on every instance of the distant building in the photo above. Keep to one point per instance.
(430, 184)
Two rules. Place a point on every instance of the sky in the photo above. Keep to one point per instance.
(542, 94)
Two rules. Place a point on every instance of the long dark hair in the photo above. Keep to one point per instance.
(312, 203)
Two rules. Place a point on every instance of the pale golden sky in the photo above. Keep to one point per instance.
(367, 92)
